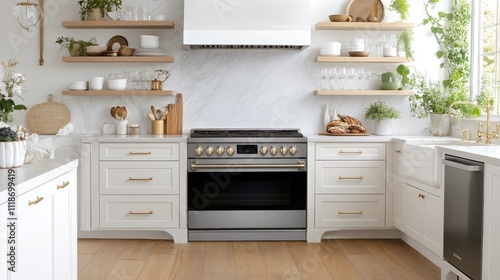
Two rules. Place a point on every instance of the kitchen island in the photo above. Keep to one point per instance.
(38, 204)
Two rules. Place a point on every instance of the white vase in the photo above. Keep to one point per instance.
(440, 124)
(12, 154)
(384, 127)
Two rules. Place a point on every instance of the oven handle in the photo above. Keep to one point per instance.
(194, 165)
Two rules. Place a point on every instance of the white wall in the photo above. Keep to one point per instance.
(222, 88)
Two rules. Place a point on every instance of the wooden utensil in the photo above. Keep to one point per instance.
(113, 112)
(151, 117)
(153, 110)
(119, 113)
(124, 113)
(158, 114)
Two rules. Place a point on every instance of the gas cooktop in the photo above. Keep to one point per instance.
(244, 133)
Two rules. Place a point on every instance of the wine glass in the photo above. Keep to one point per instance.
(342, 76)
(324, 74)
(351, 73)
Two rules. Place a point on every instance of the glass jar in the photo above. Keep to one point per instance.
(133, 129)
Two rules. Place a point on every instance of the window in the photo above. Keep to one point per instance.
(485, 74)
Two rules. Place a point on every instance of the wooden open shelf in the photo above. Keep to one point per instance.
(368, 59)
(119, 92)
(371, 26)
(364, 92)
(118, 59)
(118, 24)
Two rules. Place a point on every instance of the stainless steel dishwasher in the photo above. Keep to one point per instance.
(463, 214)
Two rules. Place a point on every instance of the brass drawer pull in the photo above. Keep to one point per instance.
(64, 184)
(140, 213)
(350, 177)
(398, 151)
(421, 196)
(140, 179)
(350, 213)
(38, 199)
(351, 152)
(139, 153)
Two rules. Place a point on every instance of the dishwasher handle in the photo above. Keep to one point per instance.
(461, 166)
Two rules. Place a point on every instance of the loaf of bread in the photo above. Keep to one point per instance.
(337, 130)
(356, 129)
(350, 120)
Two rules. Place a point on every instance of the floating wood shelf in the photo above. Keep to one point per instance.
(119, 92)
(118, 24)
(364, 92)
(369, 59)
(118, 59)
(371, 26)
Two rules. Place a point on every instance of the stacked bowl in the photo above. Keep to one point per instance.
(150, 41)
(330, 48)
(79, 85)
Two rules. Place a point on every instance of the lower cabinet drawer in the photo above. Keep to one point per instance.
(350, 211)
(139, 211)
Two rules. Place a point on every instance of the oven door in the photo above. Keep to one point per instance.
(247, 197)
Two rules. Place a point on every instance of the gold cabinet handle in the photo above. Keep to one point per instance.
(140, 213)
(64, 184)
(351, 152)
(350, 177)
(38, 199)
(140, 179)
(421, 196)
(350, 213)
(398, 151)
(139, 153)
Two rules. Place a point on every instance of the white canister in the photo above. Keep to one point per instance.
(121, 127)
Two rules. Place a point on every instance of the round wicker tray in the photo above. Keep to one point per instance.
(47, 118)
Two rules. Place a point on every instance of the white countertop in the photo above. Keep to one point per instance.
(30, 176)
(489, 154)
(148, 138)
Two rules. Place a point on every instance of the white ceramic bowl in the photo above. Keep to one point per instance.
(330, 51)
(79, 85)
(117, 84)
(150, 41)
(390, 52)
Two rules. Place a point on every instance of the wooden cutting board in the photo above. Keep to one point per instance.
(347, 134)
(47, 118)
(173, 124)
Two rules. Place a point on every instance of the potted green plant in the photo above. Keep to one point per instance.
(97, 8)
(75, 47)
(383, 114)
(402, 7)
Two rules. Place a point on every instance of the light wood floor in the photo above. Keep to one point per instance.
(330, 259)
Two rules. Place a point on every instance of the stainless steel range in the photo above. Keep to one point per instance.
(247, 184)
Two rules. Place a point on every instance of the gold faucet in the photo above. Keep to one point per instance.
(466, 132)
(488, 134)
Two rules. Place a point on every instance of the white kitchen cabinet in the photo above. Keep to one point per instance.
(491, 223)
(136, 188)
(420, 216)
(45, 229)
(349, 187)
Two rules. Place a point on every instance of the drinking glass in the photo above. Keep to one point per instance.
(351, 73)
(367, 76)
(142, 12)
(342, 76)
(134, 77)
(324, 74)
(360, 72)
(146, 77)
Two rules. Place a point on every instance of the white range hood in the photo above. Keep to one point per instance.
(274, 24)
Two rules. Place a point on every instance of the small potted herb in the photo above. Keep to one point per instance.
(75, 47)
(383, 115)
(97, 8)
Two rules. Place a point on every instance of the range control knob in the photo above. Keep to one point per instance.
(198, 150)
(263, 150)
(293, 150)
(230, 151)
(219, 151)
(283, 150)
(273, 151)
(209, 150)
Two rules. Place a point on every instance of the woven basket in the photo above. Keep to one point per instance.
(47, 118)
